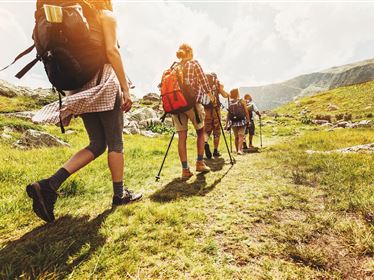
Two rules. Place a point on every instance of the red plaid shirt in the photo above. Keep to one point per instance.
(196, 77)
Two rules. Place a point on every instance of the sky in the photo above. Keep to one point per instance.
(245, 43)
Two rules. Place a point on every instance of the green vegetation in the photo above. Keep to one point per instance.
(278, 214)
(356, 100)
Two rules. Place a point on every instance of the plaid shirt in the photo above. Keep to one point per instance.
(90, 98)
(197, 79)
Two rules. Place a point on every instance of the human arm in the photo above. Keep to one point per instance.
(246, 110)
(109, 24)
(222, 91)
(256, 110)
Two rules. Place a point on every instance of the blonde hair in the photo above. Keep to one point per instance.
(183, 51)
(234, 93)
(100, 4)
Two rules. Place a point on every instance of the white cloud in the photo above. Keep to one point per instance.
(244, 43)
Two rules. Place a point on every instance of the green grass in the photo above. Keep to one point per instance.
(24, 103)
(357, 100)
(279, 214)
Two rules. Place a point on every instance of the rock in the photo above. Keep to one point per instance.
(133, 130)
(7, 129)
(304, 112)
(324, 117)
(148, 133)
(6, 136)
(126, 131)
(70, 131)
(145, 123)
(28, 115)
(152, 97)
(342, 124)
(332, 107)
(169, 122)
(361, 124)
(327, 124)
(320, 122)
(35, 139)
(366, 148)
(142, 114)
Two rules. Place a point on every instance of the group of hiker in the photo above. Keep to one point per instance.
(190, 94)
(87, 65)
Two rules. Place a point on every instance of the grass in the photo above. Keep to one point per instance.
(356, 100)
(279, 214)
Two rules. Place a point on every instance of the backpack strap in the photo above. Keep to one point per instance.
(22, 54)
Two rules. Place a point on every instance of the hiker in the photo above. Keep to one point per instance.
(250, 130)
(213, 116)
(101, 104)
(194, 77)
(238, 118)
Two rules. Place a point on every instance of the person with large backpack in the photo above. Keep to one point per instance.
(238, 118)
(250, 130)
(89, 65)
(213, 115)
(183, 88)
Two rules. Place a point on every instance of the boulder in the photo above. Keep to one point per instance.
(6, 136)
(361, 124)
(152, 97)
(342, 124)
(320, 122)
(148, 133)
(28, 115)
(35, 139)
(142, 114)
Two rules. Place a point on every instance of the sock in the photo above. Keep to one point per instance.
(56, 180)
(184, 164)
(200, 157)
(118, 188)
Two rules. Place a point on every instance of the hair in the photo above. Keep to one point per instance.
(234, 93)
(248, 96)
(183, 51)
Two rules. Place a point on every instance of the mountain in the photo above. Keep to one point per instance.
(274, 95)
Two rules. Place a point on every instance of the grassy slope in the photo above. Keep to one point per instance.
(280, 214)
(357, 100)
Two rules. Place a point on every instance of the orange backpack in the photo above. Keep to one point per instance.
(177, 96)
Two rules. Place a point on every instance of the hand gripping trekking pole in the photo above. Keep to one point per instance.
(167, 151)
(224, 137)
(260, 131)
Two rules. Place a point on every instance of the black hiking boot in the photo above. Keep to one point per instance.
(208, 153)
(216, 153)
(245, 146)
(44, 199)
(127, 197)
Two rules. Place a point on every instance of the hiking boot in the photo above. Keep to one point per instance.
(202, 167)
(208, 153)
(44, 199)
(245, 146)
(216, 153)
(186, 174)
(127, 197)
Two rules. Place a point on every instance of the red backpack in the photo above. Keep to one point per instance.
(176, 94)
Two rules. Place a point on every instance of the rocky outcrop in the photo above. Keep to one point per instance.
(154, 97)
(36, 139)
(367, 148)
(274, 95)
(10, 90)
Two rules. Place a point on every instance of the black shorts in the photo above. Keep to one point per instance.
(250, 128)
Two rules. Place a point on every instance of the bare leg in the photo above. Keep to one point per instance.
(250, 140)
(216, 142)
(240, 142)
(116, 166)
(236, 143)
(79, 160)
(182, 145)
(200, 141)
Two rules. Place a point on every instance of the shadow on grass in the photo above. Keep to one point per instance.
(215, 164)
(52, 250)
(178, 188)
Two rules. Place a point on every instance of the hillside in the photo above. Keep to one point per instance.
(274, 95)
(357, 100)
(278, 214)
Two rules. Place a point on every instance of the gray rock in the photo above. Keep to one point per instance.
(361, 124)
(142, 114)
(6, 136)
(148, 133)
(321, 122)
(152, 97)
(342, 124)
(145, 123)
(366, 148)
(35, 139)
(27, 115)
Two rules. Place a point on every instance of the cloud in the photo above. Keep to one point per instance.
(246, 44)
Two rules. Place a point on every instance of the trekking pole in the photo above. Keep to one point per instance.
(166, 154)
(228, 106)
(260, 131)
(224, 137)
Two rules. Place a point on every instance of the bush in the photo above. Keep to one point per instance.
(159, 128)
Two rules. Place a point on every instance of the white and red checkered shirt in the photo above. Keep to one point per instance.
(92, 97)
(197, 79)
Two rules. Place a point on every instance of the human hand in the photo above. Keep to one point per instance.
(127, 102)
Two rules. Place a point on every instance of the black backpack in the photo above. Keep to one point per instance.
(236, 111)
(72, 51)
